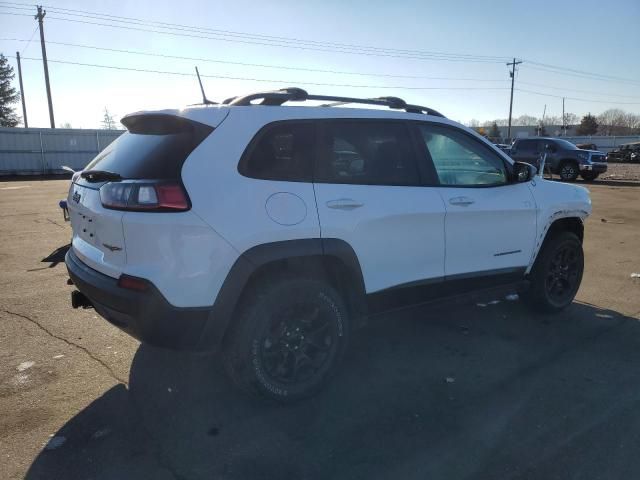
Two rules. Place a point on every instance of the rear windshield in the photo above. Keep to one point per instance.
(155, 147)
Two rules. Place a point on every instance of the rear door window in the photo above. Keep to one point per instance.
(281, 151)
(528, 146)
(366, 153)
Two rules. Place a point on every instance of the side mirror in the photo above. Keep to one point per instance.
(523, 172)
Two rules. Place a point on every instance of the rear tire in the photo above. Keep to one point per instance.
(288, 339)
(569, 171)
(556, 275)
(589, 176)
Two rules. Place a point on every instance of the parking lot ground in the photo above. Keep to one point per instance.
(457, 391)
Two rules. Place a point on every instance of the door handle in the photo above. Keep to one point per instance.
(463, 201)
(344, 204)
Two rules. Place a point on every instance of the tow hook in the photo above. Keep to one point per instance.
(65, 210)
(80, 300)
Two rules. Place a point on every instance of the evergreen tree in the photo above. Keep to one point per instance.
(8, 95)
(495, 131)
(588, 125)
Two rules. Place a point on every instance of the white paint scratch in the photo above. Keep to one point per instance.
(25, 366)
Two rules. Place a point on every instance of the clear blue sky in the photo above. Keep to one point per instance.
(593, 36)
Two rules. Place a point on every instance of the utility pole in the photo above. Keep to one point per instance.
(40, 17)
(541, 126)
(513, 77)
(24, 105)
(564, 127)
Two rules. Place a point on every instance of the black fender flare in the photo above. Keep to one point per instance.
(260, 256)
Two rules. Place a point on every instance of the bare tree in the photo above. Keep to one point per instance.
(571, 119)
(613, 122)
(526, 121)
(108, 122)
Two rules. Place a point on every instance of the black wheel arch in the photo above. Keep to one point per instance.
(574, 225)
(328, 258)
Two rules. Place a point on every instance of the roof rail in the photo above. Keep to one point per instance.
(278, 97)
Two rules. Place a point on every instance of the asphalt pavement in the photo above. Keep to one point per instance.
(479, 390)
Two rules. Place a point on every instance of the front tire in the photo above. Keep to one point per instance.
(556, 275)
(288, 340)
(569, 171)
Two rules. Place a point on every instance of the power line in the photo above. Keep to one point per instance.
(262, 37)
(16, 8)
(492, 58)
(577, 75)
(575, 99)
(339, 72)
(261, 65)
(251, 42)
(287, 82)
(15, 14)
(579, 91)
(266, 40)
(582, 72)
(29, 41)
(277, 41)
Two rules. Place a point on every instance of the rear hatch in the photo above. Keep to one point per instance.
(140, 171)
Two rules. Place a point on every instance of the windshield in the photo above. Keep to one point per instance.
(565, 145)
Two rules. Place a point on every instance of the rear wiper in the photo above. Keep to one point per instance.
(100, 176)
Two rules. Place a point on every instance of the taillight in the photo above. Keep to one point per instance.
(145, 196)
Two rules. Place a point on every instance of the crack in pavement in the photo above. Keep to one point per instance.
(112, 374)
(55, 223)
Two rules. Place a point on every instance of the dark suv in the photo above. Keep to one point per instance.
(563, 157)
(628, 152)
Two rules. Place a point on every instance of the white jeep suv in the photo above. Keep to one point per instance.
(271, 231)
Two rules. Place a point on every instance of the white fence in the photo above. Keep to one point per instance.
(38, 151)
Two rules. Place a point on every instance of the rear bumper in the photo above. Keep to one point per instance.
(146, 315)
(594, 167)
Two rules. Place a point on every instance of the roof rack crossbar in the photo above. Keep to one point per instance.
(278, 97)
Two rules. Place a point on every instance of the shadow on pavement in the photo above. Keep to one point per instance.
(57, 256)
(464, 392)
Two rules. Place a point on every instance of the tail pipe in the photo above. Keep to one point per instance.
(80, 300)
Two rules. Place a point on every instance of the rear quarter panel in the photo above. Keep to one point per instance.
(234, 205)
(183, 257)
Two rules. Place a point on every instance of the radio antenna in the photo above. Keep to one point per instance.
(205, 100)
